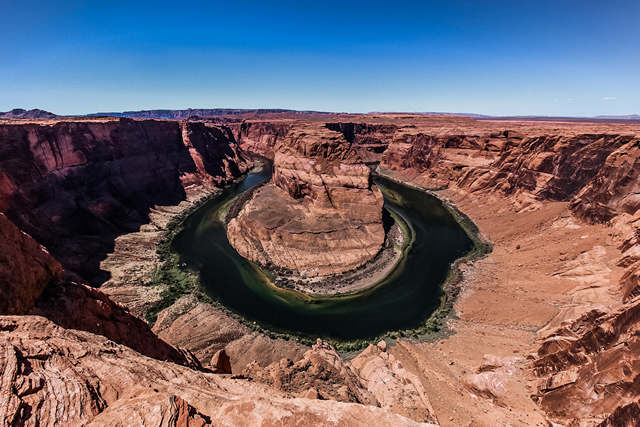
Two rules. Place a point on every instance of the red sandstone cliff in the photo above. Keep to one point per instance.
(261, 137)
(26, 268)
(74, 186)
(587, 369)
(591, 366)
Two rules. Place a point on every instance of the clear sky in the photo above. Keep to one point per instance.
(499, 57)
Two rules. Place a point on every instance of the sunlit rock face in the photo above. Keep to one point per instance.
(320, 215)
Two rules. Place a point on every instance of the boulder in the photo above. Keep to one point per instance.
(220, 363)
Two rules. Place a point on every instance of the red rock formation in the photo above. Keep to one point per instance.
(26, 268)
(75, 306)
(321, 215)
(396, 389)
(590, 367)
(53, 376)
(412, 150)
(546, 166)
(490, 379)
(623, 416)
(439, 157)
(261, 137)
(369, 140)
(616, 187)
(75, 185)
(220, 363)
(321, 369)
(94, 178)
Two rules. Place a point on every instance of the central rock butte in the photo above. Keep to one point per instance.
(320, 214)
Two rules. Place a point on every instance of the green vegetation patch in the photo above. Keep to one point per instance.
(168, 274)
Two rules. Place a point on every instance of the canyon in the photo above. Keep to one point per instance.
(544, 329)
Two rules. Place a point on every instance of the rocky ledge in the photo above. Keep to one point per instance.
(320, 214)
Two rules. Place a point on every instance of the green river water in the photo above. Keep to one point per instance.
(404, 300)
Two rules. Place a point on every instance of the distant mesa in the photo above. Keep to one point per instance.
(190, 112)
(320, 214)
(19, 113)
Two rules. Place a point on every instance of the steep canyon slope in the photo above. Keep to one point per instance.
(76, 185)
(522, 182)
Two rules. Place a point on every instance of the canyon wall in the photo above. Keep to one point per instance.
(586, 366)
(26, 268)
(590, 366)
(370, 140)
(261, 137)
(75, 185)
(593, 170)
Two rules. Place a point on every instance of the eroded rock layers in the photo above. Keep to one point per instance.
(590, 366)
(76, 185)
(320, 215)
(53, 376)
(26, 268)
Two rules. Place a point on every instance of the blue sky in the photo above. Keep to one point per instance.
(561, 57)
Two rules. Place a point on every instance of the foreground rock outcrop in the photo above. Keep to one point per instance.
(395, 388)
(76, 306)
(320, 374)
(591, 366)
(320, 215)
(54, 376)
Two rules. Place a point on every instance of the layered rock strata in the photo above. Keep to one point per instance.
(320, 374)
(76, 306)
(53, 376)
(591, 366)
(395, 388)
(320, 215)
(75, 185)
(546, 268)
(261, 137)
(595, 171)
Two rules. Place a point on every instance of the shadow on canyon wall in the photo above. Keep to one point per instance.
(76, 186)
